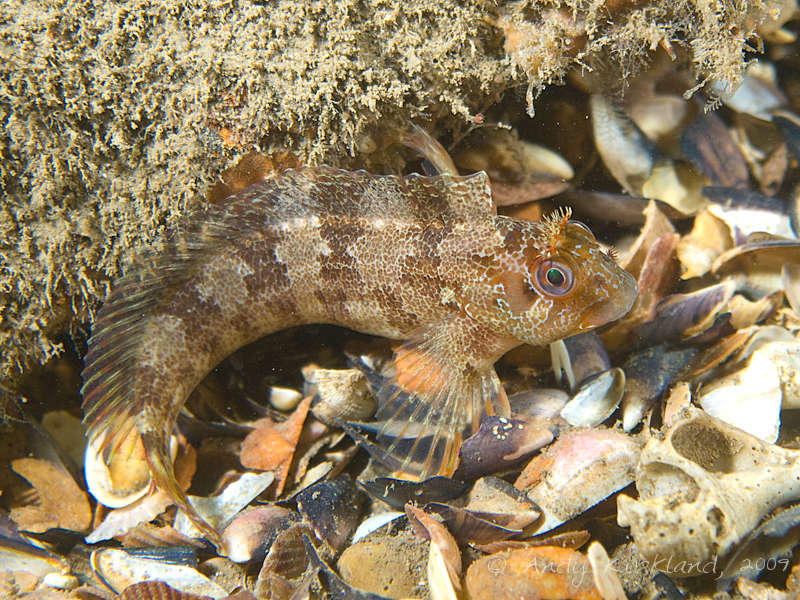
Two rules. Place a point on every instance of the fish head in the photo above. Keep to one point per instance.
(552, 279)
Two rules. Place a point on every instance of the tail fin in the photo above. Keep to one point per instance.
(159, 458)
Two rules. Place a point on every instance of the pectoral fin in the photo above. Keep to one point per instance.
(436, 391)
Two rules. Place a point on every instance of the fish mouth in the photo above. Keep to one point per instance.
(612, 308)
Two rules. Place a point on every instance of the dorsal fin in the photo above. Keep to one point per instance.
(358, 194)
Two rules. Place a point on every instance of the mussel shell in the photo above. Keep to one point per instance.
(681, 314)
(397, 492)
(501, 443)
(118, 569)
(588, 355)
(613, 209)
(170, 555)
(713, 356)
(596, 399)
(252, 531)
(774, 537)
(125, 480)
(287, 554)
(708, 145)
(626, 152)
(755, 95)
(17, 554)
(540, 403)
(285, 399)
(756, 266)
(333, 508)
(477, 527)
(649, 373)
(747, 212)
(660, 116)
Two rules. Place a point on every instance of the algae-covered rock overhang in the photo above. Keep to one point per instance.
(116, 115)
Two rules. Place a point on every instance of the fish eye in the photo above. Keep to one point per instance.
(553, 278)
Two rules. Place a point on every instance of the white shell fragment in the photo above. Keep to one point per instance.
(752, 398)
(596, 399)
(744, 218)
(627, 153)
(285, 399)
(250, 532)
(118, 570)
(785, 356)
(545, 160)
(562, 364)
(374, 523)
(702, 488)
(218, 510)
(658, 115)
(637, 164)
(124, 481)
(749, 399)
(17, 556)
(60, 581)
(756, 95)
(677, 185)
(120, 521)
(587, 466)
(604, 574)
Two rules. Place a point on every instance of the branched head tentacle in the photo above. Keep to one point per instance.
(553, 226)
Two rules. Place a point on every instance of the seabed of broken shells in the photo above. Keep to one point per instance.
(656, 458)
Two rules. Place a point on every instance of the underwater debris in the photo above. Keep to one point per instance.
(697, 326)
(702, 488)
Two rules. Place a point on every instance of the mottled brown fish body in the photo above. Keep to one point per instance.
(381, 278)
(420, 259)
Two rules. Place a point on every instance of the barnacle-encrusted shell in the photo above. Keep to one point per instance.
(702, 488)
(339, 394)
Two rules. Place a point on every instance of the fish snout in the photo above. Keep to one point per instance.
(616, 300)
